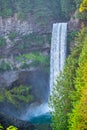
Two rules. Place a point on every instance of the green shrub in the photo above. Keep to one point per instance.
(35, 39)
(78, 115)
(78, 3)
(21, 46)
(82, 16)
(25, 65)
(1, 96)
(12, 35)
(6, 8)
(12, 128)
(2, 41)
(18, 95)
(72, 35)
(1, 127)
(35, 58)
(5, 66)
(81, 7)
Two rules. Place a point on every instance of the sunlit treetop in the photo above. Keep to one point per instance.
(83, 6)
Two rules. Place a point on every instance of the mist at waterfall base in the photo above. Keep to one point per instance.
(40, 114)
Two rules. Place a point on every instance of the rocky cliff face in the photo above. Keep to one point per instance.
(24, 59)
(8, 25)
(22, 27)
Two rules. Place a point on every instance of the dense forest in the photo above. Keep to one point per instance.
(40, 9)
(69, 98)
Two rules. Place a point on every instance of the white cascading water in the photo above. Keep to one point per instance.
(57, 59)
(58, 52)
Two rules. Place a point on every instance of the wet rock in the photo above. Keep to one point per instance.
(7, 78)
(7, 120)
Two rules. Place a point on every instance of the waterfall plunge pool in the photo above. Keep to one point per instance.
(41, 119)
(38, 114)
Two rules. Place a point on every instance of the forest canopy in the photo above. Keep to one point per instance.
(57, 9)
(69, 97)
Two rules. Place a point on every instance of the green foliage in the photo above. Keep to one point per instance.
(2, 95)
(23, 8)
(25, 65)
(72, 35)
(2, 41)
(41, 10)
(12, 128)
(61, 9)
(12, 35)
(4, 66)
(83, 6)
(78, 3)
(35, 39)
(78, 116)
(60, 99)
(81, 35)
(6, 8)
(67, 7)
(21, 46)
(59, 103)
(19, 95)
(65, 95)
(1, 127)
(34, 58)
(82, 15)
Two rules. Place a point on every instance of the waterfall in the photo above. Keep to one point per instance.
(58, 52)
(57, 59)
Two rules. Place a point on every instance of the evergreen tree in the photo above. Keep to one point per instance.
(78, 116)
(65, 91)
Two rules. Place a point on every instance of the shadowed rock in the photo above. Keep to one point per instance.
(7, 120)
